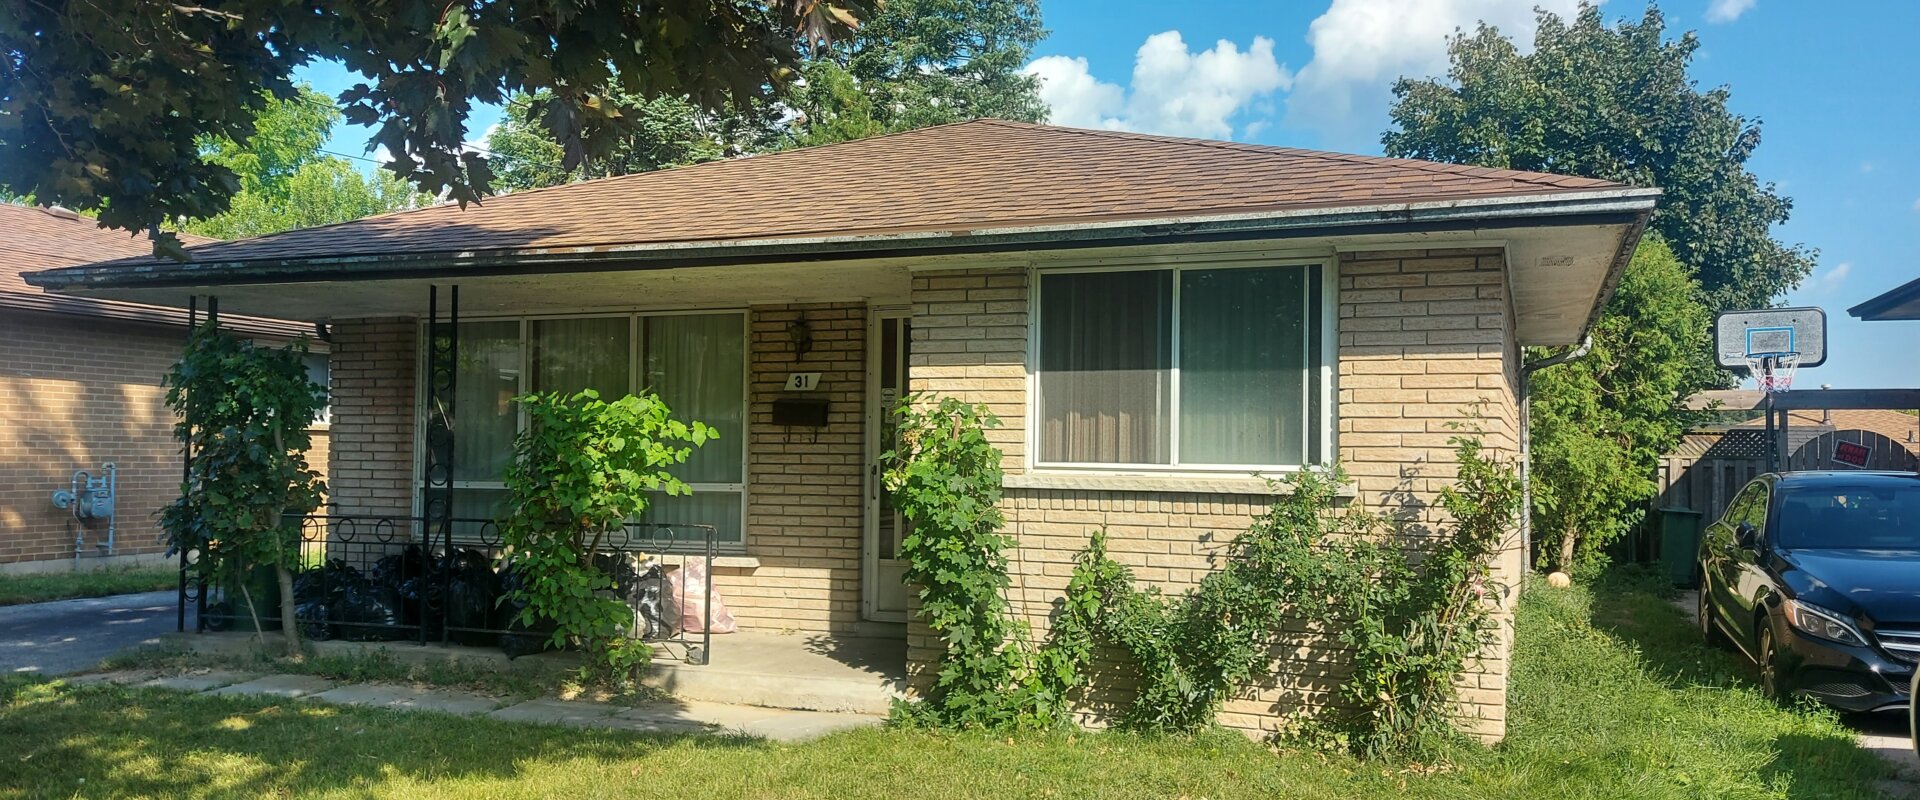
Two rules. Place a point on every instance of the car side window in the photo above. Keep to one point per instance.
(1756, 510)
(1736, 512)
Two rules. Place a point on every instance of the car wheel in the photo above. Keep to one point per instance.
(1709, 632)
(1770, 683)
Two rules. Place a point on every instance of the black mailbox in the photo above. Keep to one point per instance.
(800, 412)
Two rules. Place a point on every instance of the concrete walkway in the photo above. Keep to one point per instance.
(66, 636)
(672, 716)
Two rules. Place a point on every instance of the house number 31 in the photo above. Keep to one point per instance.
(802, 381)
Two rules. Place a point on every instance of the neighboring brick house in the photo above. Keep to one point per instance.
(1155, 320)
(80, 389)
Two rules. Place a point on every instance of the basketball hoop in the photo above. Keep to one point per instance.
(1773, 371)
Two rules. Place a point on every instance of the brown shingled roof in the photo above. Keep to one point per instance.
(33, 239)
(961, 177)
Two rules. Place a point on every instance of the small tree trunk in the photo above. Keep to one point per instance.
(253, 611)
(1568, 542)
(287, 621)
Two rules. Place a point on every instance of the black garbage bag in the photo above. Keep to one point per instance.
(367, 613)
(313, 618)
(519, 638)
(316, 591)
(654, 613)
(472, 592)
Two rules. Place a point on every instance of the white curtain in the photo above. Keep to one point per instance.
(696, 363)
(484, 387)
(1243, 366)
(569, 355)
(1105, 367)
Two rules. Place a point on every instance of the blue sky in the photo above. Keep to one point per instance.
(1829, 81)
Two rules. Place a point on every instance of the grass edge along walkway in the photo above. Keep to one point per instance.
(41, 587)
(1612, 698)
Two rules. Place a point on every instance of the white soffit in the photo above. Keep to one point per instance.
(1557, 275)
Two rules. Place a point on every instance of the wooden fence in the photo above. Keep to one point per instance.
(1707, 469)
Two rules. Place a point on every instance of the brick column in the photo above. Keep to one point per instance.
(371, 467)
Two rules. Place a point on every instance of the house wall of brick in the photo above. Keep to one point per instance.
(801, 569)
(77, 392)
(1425, 337)
(371, 441)
(805, 506)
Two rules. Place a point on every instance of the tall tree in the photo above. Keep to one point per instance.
(923, 62)
(914, 63)
(287, 181)
(666, 132)
(104, 104)
(1614, 102)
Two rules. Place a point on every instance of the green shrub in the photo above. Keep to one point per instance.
(581, 469)
(244, 414)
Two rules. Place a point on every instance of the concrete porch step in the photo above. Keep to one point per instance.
(806, 672)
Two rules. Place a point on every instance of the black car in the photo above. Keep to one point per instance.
(1816, 577)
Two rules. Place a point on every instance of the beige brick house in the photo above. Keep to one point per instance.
(80, 390)
(1158, 321)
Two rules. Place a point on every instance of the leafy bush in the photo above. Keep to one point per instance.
(244, 411)
(581, 469)
(1412, 625)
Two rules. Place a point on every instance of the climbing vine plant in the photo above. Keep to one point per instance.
(581, 469)
(243, 414)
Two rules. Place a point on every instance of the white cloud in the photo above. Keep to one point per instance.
(1831, 279)
(1074, 97)
(1916, 204)
(478, 144)
(1360, 47)
(1723, 11)
(1173, 91)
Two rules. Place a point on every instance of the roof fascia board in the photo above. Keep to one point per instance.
(87, 307)
(1875, 307)
(1526, 210)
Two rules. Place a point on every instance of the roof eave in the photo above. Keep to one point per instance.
(1882, 308)
(1630, 203)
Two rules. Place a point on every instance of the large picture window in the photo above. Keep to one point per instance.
(1197, 367)
(695, 362)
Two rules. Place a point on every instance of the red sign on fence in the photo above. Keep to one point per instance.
(1851, 454)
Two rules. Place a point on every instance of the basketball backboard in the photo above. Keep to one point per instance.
(1740, 335)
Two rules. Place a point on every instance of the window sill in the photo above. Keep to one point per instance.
(1181, 484)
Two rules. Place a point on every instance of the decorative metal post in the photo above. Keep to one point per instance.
(200, 596)
(186, 467)
(436, 480)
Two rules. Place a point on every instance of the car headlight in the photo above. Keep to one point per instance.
(1823, 623)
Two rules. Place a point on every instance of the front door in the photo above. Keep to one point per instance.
(884, 593)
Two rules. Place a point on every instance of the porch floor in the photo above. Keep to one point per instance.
(798, 671)
(806, 671)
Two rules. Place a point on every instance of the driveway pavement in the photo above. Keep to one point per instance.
(67, 636)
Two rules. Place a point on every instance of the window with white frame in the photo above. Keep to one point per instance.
(695, 362)
(1194, 368)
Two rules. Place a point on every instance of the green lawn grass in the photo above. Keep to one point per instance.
(1612, 698)
(41, 587)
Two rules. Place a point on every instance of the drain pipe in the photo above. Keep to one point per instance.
(1526, 442)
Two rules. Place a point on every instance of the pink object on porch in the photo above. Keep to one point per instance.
(688, 586)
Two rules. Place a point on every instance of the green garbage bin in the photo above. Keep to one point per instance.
(1680, 544)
